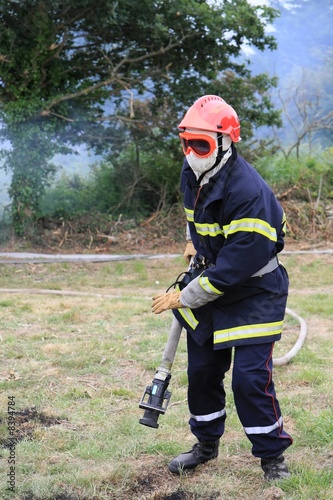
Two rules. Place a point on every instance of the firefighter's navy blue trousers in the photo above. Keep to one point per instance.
(253, 389)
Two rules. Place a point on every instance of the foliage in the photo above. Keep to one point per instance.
(71, 74)
(134, 184)
(104, 209)
(139, 183)
(142, 180)
(306, 176)
(69, 196)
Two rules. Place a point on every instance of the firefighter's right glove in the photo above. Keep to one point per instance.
(189, 252)
(165, 301)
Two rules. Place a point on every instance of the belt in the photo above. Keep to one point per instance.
(272, 264)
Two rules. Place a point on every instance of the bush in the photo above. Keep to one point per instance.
(135, 184)
(311, 176)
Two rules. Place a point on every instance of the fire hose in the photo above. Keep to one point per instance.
(156, 396)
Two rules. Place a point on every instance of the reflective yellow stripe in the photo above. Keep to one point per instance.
(189, 317)
(208, 229)
(206, 285)
(250, 225)
(248, 332)
(284, 217)
(284, 223)
(189, 214)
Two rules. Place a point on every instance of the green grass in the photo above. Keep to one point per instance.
(84, 361)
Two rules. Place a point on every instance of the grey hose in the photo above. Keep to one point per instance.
(283, 360)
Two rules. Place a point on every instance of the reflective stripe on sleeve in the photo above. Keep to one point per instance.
(248, 332)
(284, 223)
(208, 287)
(208, 229)
(250, 225)
(189, 214)
(209, 417)
(263, 430)
(189, 317)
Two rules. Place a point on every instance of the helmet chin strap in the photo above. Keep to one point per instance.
(219, 157)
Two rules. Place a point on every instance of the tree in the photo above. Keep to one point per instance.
(307, 109)
(71, 73)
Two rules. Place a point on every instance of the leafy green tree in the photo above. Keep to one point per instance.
(77, 72)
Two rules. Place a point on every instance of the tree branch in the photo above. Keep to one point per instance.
(113, 74)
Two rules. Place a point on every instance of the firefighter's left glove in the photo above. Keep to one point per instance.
(165, 301)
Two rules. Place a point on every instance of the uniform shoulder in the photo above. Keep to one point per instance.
(246, 179)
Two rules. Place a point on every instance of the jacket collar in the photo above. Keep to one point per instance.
(215, 187)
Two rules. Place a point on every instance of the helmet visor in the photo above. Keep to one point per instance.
(202, 145)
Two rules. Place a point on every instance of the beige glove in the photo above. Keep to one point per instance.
(189, 252)
(165, 301)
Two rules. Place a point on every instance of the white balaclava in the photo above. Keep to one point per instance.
(202, 165)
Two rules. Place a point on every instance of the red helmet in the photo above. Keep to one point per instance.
(212, 113)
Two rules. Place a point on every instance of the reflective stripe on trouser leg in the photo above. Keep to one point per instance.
(206, 394)
(255, 398)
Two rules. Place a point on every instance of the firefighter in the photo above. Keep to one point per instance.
(236, 306)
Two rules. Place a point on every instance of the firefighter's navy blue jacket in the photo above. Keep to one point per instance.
(237, 224)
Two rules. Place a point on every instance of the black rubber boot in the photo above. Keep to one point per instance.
(200, 453)
(275, 468)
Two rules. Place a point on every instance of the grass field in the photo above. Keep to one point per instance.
(74, 367)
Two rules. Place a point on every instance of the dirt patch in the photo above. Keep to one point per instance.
(158, 484)
(182, 495)
(60, 496)
(26, 422)
(273, 493)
